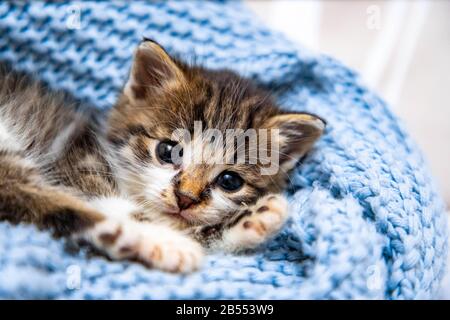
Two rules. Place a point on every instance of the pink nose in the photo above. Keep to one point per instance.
(185, 200)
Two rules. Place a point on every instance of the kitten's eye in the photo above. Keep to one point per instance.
(230, 181)
(164, 151)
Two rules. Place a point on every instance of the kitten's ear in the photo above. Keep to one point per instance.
(297, 134)
(152, 69)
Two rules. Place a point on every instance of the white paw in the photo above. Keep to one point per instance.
(153, 245)
(262, 221)
(173, 252)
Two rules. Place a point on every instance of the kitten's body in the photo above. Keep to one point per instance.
(96, 176)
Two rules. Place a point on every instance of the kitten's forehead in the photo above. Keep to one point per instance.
(220, 100)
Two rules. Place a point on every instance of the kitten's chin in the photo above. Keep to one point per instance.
(175, 214)
(181, 215)
(186, 217)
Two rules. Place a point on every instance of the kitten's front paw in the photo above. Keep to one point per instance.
(153, 245)
(258, 223)
(173, 252)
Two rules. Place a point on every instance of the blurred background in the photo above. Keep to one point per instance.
(401, 48)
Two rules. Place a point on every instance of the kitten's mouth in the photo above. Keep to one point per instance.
(176, 213)
(173, 213)
(184, 215)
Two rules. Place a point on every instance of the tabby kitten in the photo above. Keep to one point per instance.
(111, 180)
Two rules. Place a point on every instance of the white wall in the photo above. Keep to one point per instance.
(401, 48)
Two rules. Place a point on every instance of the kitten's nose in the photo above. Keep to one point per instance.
(185, 200)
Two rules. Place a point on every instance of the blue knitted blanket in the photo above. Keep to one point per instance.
(366, 221)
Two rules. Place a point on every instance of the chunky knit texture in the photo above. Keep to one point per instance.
(366, 219)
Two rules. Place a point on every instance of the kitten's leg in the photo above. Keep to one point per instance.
(256, 224)
(26, 197)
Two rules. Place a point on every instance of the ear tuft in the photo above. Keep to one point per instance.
(152, 69)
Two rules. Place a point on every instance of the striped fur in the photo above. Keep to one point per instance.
(96, 176)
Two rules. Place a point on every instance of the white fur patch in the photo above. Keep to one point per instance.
(157, 179)
(115, 207)
(8, 141)
(60, 142)
(221, 202)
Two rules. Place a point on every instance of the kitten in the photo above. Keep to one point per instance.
(111, 180)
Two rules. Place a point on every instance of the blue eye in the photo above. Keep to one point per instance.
(164, 151)
(230, 181)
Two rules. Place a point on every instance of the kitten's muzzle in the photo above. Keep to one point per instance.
(185, 200)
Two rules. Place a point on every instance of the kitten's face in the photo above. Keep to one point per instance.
(193, 179)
